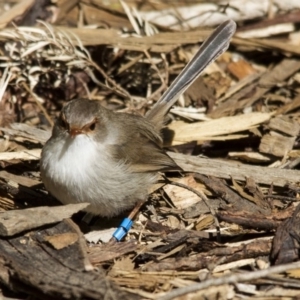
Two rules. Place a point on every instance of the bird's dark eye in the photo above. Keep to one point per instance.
(93, 126)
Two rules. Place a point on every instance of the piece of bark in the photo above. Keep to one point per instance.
(15, 221)
(102, 15)
(159, 42)
(256, 221)
(238, 171)
(237, 203)
(28, 132)
(294, 104)
(257, 193)
(277, 145)
(30, 264)
(201, 208)
(104, 252)
(36, 133)
(286, 242)
(249, 220)
(274, 44)
(24, 196)
(285, 125)
(175, 234)
(212, 257)
(199, 13)
(65, 7)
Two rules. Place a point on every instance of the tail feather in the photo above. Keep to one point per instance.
(214, 46)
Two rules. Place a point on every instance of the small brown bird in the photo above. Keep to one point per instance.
(111, 159)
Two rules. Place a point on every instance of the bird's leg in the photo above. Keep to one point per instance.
(126, 224)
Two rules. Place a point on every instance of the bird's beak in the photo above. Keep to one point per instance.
(74, 131)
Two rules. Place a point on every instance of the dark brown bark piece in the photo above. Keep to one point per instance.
(249, 220)
(286, 242)
(28, 263)
(200, 208)
(256, 221)
(212, 258)
(238, 203)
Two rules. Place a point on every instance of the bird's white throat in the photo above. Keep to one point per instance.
(74, 157)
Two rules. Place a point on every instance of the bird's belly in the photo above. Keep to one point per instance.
(88, 174)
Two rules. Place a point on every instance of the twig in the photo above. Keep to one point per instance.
(230, 279)
(41, 107)
(286, 198)
(118, 88)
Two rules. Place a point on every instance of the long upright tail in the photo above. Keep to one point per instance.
(214, 45)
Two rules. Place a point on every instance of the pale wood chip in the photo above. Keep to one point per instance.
(34, 154)
(285, 125)
(28, 132)
(200, 130)
(235, 264)
(15, 221)
(277, 145)
(254, 157)
(17, 179)
(238, 171)
(181, 197)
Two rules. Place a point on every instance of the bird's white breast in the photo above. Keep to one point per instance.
(72, 159)
(81, 170)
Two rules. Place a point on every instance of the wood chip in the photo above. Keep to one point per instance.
(34, 154)
(276, 145)
(253, 157)
(181, 197)
(285, 125)
(28, 132)
(15, 221)
(238, 171)
(201, 130)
